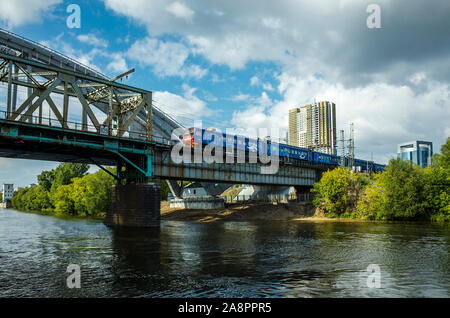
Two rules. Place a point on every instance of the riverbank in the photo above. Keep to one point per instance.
(59, 215)
(261, 212)
(239, 212)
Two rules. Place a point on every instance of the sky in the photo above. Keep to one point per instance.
(244, 64)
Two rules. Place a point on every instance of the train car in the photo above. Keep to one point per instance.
(326, 158)
(211, 136)
(194, 136)
(251, 145)
(362, 165)
(379, 167)
(294, 152)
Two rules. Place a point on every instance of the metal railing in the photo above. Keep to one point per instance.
(78, 127)
(269, 198)
(257, 198)
(54, 53)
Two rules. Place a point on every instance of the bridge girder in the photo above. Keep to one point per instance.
(48, 82)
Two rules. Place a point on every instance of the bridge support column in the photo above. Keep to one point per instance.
(135, 205)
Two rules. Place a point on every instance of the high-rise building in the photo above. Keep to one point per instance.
(313, 126)
(293, 127)
(7, 192)
(417, 151)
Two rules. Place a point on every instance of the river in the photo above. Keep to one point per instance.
(229, 259)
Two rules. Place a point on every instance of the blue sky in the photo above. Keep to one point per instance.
(244, 64)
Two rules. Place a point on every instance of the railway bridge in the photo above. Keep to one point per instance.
(60, 110)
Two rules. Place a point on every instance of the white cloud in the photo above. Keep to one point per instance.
(185, 108)
(20, 12)
(92, 39)
(180, 10)
(194, 71)
(268, 87)
(272, 23)
(216, 79)
(118, 63)
(240, 97)
(234, 50)
(254, 81)
(166, 58)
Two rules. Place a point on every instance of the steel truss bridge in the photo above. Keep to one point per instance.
(61, 110)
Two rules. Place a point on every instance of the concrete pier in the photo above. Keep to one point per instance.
(6, 205)
(198, 203)
(135, 205)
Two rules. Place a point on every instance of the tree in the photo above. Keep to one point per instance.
(437, 185)
(67, 171)
(338, 191)
(372, 202)
(91, 194)
(46, 178)
(398, 193)
(32, 199)
(61, 200)
(444, 159)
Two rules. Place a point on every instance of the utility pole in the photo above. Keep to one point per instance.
(351, 147)
(342, 147)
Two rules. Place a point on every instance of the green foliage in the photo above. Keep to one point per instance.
(164, 190)
(437, 191)
(403, 185)
(338, 191)
(404, 191)
(32, 199)
(92, 194)
(46, 178)
(396, 194)
(444, 160)
(372, 202)
(437, 185)
(67, 190)
(65, 172)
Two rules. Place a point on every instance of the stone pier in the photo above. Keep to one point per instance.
(135, 205)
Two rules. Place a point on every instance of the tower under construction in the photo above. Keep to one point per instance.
(313, 126)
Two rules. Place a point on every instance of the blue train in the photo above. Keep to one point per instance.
(205, 137)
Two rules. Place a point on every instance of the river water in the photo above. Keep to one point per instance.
(230, 259)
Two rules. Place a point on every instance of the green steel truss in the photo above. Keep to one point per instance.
(103, 136)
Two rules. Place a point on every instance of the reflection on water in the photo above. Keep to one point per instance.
(231, 259)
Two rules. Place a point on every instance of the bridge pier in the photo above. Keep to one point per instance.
(135, 205)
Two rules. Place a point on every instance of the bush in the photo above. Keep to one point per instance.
(338, 191)
(398, 193)
(62, 192)
(32, 199)
(437, 185)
